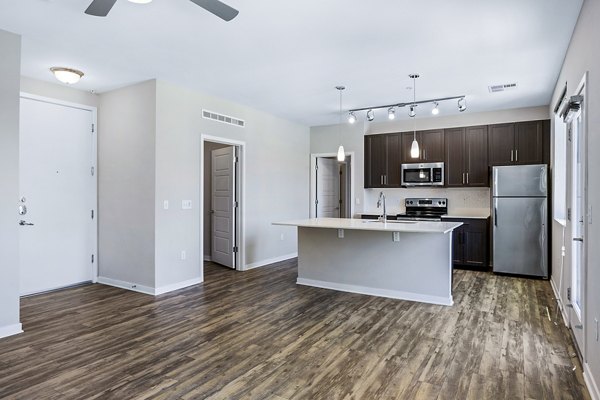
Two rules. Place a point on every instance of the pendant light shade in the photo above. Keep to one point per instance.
(341, 154)
(414, 149)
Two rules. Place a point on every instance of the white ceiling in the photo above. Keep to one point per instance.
(285, 57)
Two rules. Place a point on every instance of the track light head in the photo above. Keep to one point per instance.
(411, 111)
(462, 104)
(351, 117)
(435, 110)
(370, 115)
(391, 113)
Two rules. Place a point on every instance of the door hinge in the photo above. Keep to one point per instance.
(236, 204)
(235, 249)
(92, 214)
(568, 214)
(569, 294)
(92, 170)
(236, 159)
(316, 202)
(93, 128)
(92, 258)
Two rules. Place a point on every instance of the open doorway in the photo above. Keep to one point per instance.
(222, 203)
(331, 186)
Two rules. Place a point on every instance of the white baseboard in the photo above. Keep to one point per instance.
(591, 383)
(177, 286)
(393, 294)
(560, 303)
(126, 285)
(10, 330)
(207, 258)
(270, 261)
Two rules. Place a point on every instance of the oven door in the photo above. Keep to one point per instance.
(416, 176)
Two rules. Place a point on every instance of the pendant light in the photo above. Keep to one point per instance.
(341, 154)
(414, 148)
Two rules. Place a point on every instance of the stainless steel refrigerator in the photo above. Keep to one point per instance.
(520, 220)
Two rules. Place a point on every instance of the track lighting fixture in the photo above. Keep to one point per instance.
(370, 115)
(411, 111)
(435, 110)
(341, 154)
(351, 117)
(391, 113)
(462, 104)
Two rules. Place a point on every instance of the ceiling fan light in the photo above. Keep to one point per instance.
(435, 110)
(351, 117)
(414, 149)
(68, 76)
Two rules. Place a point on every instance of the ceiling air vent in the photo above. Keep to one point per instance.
(223, 118)
(502, 88)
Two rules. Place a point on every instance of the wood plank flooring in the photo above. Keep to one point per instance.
(257, 335)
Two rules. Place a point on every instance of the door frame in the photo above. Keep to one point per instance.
(313, 180)
(240, 234)
(94, 165)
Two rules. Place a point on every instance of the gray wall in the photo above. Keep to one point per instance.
(325, 139)
(59, 92)
(126, 184)
(208, 148)
(10, 70)
(276, 179)
(584, 55)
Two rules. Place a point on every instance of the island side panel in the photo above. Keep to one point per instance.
(418, 267)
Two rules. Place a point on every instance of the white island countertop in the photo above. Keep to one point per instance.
(370, 225)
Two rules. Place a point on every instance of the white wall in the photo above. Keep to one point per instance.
(126, 184)
(584, 55)
(325, 139)
(276, 179)
(10, 70)
(59, 91)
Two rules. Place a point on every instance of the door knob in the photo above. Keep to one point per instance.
(25, 223)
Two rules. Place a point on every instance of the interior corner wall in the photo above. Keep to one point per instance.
(275, 180)
(59, 91)
(10, 71)
(126, 186)
(584, 55)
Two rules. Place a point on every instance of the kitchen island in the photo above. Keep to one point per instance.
(406, 260)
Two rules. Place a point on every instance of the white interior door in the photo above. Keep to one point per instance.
(328, 188)
(57, 188)
(577, 225)
(223, 205)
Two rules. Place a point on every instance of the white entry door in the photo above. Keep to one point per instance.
(56, 238)
(328, 188)
(223, 201)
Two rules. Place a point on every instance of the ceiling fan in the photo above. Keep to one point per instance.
(100, 8)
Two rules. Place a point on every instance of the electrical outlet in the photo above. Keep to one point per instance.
(396, 236)
(183, 255)
(357, 201)
(281, 237)
(596, 321)
(186, 204)
(166, 204)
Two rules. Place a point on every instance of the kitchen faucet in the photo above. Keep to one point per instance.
(382, 199)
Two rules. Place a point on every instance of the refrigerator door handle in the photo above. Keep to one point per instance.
(495, 216)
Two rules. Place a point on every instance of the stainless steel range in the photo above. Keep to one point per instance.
(419, 209)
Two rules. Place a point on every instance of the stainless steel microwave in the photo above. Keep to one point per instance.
(422, 174)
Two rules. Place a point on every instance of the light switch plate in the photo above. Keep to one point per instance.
(166, 204)
(186, 204)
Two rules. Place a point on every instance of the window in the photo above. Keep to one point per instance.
(560, 170)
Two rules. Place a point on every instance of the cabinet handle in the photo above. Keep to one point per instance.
(511, 155)
(381, 179)
(463, 178)
(517, 155)
(467, 178)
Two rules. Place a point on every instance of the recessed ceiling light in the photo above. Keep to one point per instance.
(67, 75)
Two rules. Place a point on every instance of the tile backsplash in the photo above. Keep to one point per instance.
(458, 198)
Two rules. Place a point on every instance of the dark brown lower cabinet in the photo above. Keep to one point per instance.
(470, 243)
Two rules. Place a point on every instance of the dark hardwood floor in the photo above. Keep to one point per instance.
(257, 335)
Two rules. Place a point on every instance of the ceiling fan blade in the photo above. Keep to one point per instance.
(218, 8)
(100, 8)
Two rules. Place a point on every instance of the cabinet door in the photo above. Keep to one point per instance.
(476, 243)
(529, 142)
(375, 161)
(476, 159)
(501, 142)
(455, 157)
(407, 139)
(393, 145)
(432, 145)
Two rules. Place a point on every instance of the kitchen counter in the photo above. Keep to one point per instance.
(477, 213)
(402, 260)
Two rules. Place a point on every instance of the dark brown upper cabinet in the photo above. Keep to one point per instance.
(382, 160)
(517, 143)
(431, 146)
(466, 156)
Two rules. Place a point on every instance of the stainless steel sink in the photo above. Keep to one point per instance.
(365, 221)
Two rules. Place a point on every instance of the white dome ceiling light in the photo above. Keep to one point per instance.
(68, 76)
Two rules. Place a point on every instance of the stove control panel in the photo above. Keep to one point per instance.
(429, 202)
